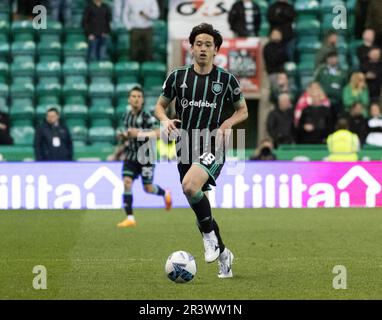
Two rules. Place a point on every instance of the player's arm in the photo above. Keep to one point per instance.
(240, 115)
(139, 133)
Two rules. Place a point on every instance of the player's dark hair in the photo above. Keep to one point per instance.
(54, 110)
(207, 29)
(136, 88)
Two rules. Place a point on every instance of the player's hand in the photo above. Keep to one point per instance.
(223, 134)
(132, 132)
(170, 127)
(122, 136)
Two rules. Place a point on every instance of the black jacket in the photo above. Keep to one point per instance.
(320, 117)
(236, 19)
(358, 125)
(280, 126)
(96, 20)
(374, 85)
(46, 146)
(282, 15)
(275, 56)
(5, 137)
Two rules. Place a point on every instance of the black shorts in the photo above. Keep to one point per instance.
(209, 164)
(135, 169)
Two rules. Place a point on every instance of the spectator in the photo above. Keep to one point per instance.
(118, 7)
(280, 121)
(374, 19)
(61, 10)
(315, 123)
(343, 145)
(281, 15)
(52, 140)
(138, 17)
(374, 124)
(244, 18)
(373, 73)
(275, 55)
(357, 122)
(96, 23)
(332, 80)
(282, 85)
(264, 151)
(368, 37)
(328, 46)
(355, 91)
(24, 8)
(360, 17)
(5, 137)
(306, 100)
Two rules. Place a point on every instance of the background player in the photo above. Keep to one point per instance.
(202, 92)
(138, 123)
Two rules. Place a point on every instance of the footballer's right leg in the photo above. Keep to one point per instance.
(129, 174)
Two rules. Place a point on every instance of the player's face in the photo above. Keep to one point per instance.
(136, 100)
(204, 49)
(52, 117)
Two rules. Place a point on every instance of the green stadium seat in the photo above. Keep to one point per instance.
(122, 44)
(150, 103)
(153, 69)
(75, 89)
(49, 89)
(328, 5)
(25, 90)
(101, 116)
(291, 69)
(4, 51)
(48, 69)
(122, 90)
(4, 108)
(22, 30)
(27, 48)
(23, 135)
(308, 27)
(51, 33)
(41, 110)
(303, 7)
(308, 46)
(75, 68)
(101, 68)
(4, 90)
(49, 48)
(75, 114)
(49, 99)
(127, 72)
(101, 101)
(119, 113)
(22, 115)
(75, 99)
(79, 135)
(76, 49)
(4, 72)
(22, 80)
(102, 135)
(101, 90)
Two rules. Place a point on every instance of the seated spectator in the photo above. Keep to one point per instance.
(280, 121)
(368, 37)
(282, 85)
(357, 122)
(5, 137)
(264, 151)
(329, 45)
(138, 17)
(373, 73)
(306, 100)
(244, 18)
(343, 145)
(374, 124)
(275, 55)
(281, 15)
(332, 80)
(61, 10)
(52, 139)
(355, 91)
(315, 123)
(96, 23)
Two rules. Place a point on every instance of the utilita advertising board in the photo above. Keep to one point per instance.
(79, 185)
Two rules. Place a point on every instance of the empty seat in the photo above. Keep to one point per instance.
(79, 135)
(101, 90)
(48, 69)
(23, 135)
(127, 71)
(22, 115)
(101, 116)
(24, 48)
(102, 135)
(22, 30)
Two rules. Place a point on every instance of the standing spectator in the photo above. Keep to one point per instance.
(52, 140)
(374, 124)
(138, 17)
(360, 17)
(306, 100)
(61, 10)
(282, 85)
(5, 137)
(355, 91)
(264, 152)
(329, 45)
(280, 121)
(373, 73)
(275, 55)
(281, 15)
(24, 8)
(332, 80)
(315, 123)
(244, 18)
(374, 19)
(118, 6)
(368, 37)
(343, 145)
(357, 122)
(96, 23)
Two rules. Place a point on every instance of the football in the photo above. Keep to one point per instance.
(180, 267)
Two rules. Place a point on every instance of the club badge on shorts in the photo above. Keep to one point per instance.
(217, 87)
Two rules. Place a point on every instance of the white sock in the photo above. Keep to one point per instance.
(210, 235)
(131, 217)
(224, 254)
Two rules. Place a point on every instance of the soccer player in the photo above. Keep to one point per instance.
(139, 126)
(202, 90)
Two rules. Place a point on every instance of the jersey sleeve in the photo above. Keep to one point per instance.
(168, 89)
(235, 94)
(150, 122)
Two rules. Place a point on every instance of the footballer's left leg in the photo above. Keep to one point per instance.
(147, 179)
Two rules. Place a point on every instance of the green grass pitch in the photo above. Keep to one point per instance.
(280, 254)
